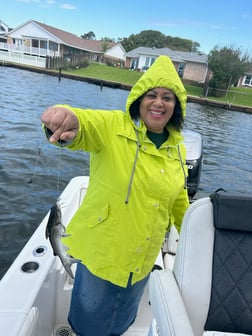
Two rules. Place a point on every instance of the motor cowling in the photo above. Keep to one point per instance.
(194, 155)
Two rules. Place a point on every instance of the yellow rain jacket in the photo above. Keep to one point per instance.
(134, 190)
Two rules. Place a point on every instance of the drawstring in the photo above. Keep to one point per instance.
(183, 168)
(133, 169)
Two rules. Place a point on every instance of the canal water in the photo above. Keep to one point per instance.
(33, 172)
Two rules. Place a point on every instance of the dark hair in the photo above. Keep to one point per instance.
(177, 120)
(134, 108)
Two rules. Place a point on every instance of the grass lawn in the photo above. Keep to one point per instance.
(239, 96)
(109, 73)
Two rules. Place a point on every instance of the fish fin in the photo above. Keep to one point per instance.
(64, 235)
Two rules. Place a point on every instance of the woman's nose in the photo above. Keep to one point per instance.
(158, 101)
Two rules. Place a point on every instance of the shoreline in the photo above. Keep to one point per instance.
(117, 85)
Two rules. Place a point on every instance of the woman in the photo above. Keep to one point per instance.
(137, 189)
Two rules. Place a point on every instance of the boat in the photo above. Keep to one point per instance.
(35, 292)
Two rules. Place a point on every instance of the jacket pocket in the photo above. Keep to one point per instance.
(99, 216)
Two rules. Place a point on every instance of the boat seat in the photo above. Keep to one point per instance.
(209, 290)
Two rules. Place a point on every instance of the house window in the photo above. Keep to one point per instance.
(43, 44)
(53, 46)
(248, 80)
(152, 60)
(181, 69)
(148, 62)
(35, 43)
(134, 63)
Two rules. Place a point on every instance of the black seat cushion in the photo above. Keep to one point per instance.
(232, 211)
(231, 296)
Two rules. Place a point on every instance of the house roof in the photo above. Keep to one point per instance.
(74, 40)
(175, 55)
(3, 28)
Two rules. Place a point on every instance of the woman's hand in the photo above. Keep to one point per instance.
(62, 122)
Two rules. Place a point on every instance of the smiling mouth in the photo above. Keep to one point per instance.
(156, 114)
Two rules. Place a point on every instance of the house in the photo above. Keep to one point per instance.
(38, 39)
(245, 80)
(3, 31)
(191, 66)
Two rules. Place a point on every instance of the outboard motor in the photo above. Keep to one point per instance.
(194, 154)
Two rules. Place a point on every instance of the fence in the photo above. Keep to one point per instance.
(20, 58)
(233, 95)
(28, 49)
(67, 62)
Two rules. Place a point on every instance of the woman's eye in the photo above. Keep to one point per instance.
(153, 96)
(167, 98)
(150, 96)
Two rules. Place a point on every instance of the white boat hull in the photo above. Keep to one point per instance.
(35, 292)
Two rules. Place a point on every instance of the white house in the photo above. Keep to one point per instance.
(246, 80)
(40, 40)
(3, 30)
(192, 66)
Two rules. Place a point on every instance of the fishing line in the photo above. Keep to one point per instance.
(36, 166)
(59, 170)
(30, 181)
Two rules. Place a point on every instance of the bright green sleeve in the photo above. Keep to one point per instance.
(96, 128)
(179, 208)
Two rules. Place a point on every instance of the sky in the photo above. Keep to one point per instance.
(210, 23)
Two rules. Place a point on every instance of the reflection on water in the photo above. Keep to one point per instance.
(24, 95)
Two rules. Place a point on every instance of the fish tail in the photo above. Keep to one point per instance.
(68, 264)
(69, 271)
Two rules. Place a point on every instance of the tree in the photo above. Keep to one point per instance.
(105, 43)
(177, 43)
(89, 36)
(150, 39)
(227, 65)
(156, 39)
(108, 39)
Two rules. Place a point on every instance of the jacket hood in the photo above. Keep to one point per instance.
(162, 73)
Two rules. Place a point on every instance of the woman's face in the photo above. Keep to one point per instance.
(156, 108)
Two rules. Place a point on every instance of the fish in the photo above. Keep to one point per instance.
(55, 230)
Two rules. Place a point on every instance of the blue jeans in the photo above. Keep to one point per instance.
(100, 308)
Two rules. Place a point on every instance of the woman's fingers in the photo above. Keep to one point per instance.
(62, 123)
